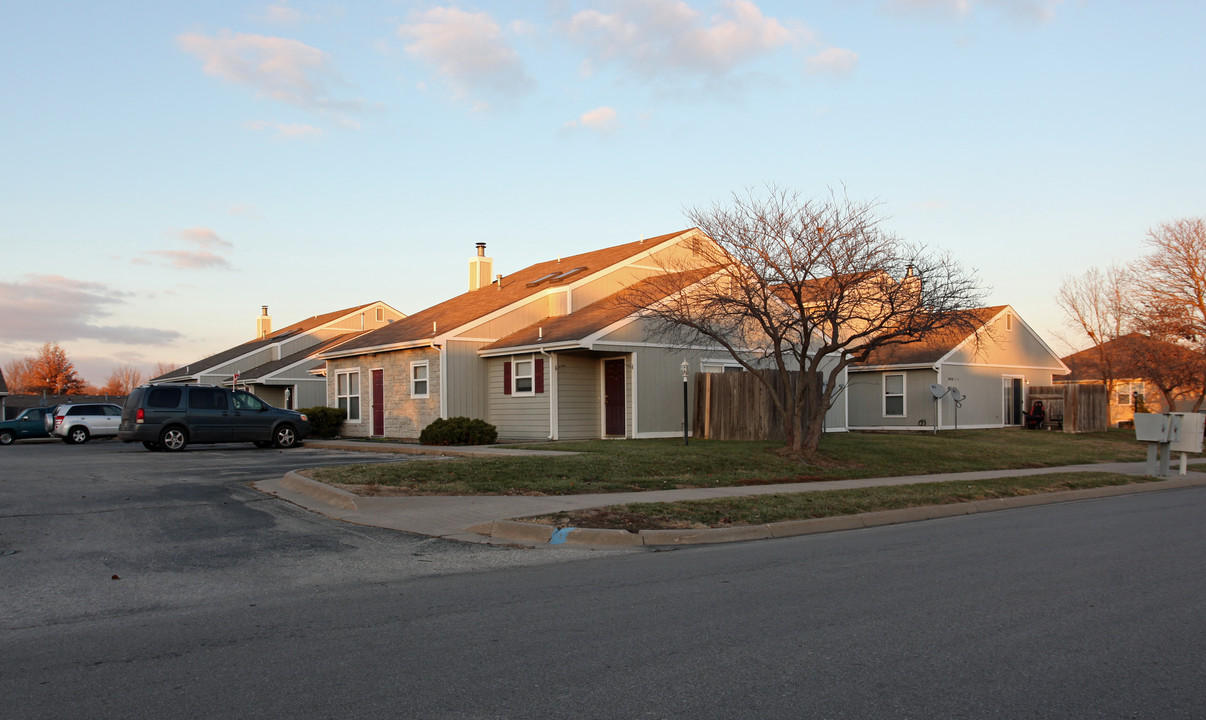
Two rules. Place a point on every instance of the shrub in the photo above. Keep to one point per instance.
(324, 421)
(459, 431)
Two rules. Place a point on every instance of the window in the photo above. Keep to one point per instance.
(247, 401)
(347, 393)
(894, 395)
(164, 397)
(206, 399)
(1009, 321)
(1128, 393)
(380, 314)
(524, 376)
(418, 379)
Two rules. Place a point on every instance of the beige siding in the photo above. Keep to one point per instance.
(579, 397)
(1012, 348)
(521, 317)
(517, 417)
(467, 393)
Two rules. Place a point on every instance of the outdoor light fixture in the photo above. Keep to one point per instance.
(686, 368)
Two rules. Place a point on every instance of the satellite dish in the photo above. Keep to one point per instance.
(958, 396)
(937, 390)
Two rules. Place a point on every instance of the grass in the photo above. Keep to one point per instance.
(761, 509)
(633, 465)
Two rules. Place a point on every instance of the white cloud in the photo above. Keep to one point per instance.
(660, 37)
(468, 50)
(602, 120)
(281, 14)
(203, 258)
(831, 61)
(276, 68)
(48, 308)
(1028, 11)
(286, 131)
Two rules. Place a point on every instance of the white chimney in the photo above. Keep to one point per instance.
(263, 323)
(481, 268)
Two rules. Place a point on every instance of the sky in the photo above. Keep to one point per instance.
(168, 168)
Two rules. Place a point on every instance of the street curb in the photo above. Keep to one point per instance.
(334, 497)
(520, 531)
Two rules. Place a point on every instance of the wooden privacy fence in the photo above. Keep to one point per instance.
(1084, 408)
(737, 406)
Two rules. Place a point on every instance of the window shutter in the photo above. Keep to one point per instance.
(539, 375)
(507, 378)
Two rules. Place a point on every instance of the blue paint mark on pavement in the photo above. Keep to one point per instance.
(560, 535)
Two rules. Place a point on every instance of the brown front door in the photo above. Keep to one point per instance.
(378, 402)
(613, 396)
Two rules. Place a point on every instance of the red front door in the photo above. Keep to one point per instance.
(613, 396)
(378, 402)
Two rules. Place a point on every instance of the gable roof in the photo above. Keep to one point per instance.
(1125, 353)
(581, 324)
(465, 309)
(262, 372)
(250, 346)
(934, 346)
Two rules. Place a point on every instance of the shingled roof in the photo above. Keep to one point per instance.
(597, 316)
(935, 345)
(475, 305)
(253, 345)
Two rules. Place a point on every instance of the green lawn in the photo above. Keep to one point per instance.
(617, 466)
(761, 509)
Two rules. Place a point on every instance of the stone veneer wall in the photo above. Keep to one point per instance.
(405, 416)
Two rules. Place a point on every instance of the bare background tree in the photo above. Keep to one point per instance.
(1096, 304)
(806, 284)
(122, 380)
(163, 368)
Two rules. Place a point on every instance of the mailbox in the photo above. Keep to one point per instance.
(1189, 435)
(1153, 427)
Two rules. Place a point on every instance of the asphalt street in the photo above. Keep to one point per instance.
(1090, 609)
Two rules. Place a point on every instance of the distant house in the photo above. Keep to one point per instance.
(3, 395)
(277, 365)
(991, 367)
(1132, 384)
(551, 351)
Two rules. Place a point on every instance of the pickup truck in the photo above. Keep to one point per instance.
(29, 424)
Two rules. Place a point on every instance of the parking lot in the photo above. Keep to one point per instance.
(108, 528)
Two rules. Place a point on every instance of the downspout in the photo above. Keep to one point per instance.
(938, 404)
(443, 367)
(553, 419)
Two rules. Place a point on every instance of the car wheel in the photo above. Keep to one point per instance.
(77, 435)
(152, 446)
(263, 443)
(6, 438)
(285, 436)
(173, 439)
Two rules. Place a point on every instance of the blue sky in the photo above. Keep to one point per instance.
(168, 168)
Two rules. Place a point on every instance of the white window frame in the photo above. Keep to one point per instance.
(903, 395)
(415, 380)
(1132, 387)
(347, 395)
(516, 377)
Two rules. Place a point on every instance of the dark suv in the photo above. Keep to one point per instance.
(169, 417)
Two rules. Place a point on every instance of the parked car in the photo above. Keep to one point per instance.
(80, 423)
(29, 424)
(171, 416)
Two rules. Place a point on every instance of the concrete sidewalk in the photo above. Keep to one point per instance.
(486, 518)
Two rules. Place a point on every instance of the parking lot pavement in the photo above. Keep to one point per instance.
(108, 528)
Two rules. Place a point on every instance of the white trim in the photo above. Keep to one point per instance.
(882, 368)
(359, 394)
(554, 414)
(904, 394)
(443, 383)
(1003, 367)
(656, 435)
(635, 394)
(425, 364)
(922, 428)
(515, 391)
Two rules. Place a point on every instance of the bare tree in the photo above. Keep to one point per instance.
(122, 380)
(163, 368)
(813, 285)
(1096, 304)
(18, 375)
(1172, 279)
